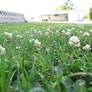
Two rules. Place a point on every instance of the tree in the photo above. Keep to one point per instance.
(67, 5)
(90, 13)
(85, 16)
(62, 7)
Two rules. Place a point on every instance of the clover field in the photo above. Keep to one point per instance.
(46, 57)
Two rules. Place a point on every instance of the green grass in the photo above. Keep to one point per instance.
(54, 66)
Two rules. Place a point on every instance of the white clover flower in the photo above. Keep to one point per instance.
(47, 49)
(74, 40)
(67, 33)
(16, 31)
(13, 57)
(31, 40)
(31, 35)
(40, 32)
(8, 34)
(79, 25)
(90, 30)
(37, 43)
(47, 33)
(73, 28)
(86, 47)
(68, 30)
(19, 36)
(81, 83)
(63, 31)
(35, 30)
(80, 31)
(86, 34)
(2, 50)
(48, 29)
(27, 32)
(25, 48)
(17, 47)
(57, 31)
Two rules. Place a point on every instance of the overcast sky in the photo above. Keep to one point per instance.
(36, 7)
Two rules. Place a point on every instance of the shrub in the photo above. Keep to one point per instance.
(90, 13)
(85, 16)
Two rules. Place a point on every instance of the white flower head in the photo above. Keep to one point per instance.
(17, 47)
(63, 31)
(27, 32)
(31, 40)
(90, 30)
(8, 34)
(35, 30)
(40, 32)
(48, 29)
(37, 43)
(73, 28)
(2, 50)
(86, 34)
(67, 33)
(16, 31)
(79, 25)
(31, 35)
(13, 57)
(80, 31)
(57, 31)
(47, 49)
(86, 47)
(74, 40)
(47, 33)
(68, 30)
(19, 36)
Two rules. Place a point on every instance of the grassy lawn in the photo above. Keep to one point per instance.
(46, 57)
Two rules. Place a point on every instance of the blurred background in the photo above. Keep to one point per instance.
(49, 10)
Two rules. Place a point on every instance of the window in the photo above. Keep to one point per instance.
(56, 14)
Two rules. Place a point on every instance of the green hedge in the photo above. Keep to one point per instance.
(90, 13)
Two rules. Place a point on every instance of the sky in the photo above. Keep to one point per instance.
(37, 7)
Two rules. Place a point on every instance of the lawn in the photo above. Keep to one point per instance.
(46, 57)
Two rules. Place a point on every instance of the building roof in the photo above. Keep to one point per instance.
(55, 12)
(61, 12)
(12, 12)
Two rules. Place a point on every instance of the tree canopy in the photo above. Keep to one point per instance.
(67, 5)
(90, 13)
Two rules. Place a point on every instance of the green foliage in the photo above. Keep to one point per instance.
(67, 5)
(90, 13)
(55, 66)
(85, 16)
(62, 7)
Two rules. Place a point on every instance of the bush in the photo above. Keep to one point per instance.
(85, 16)
(90, 13)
